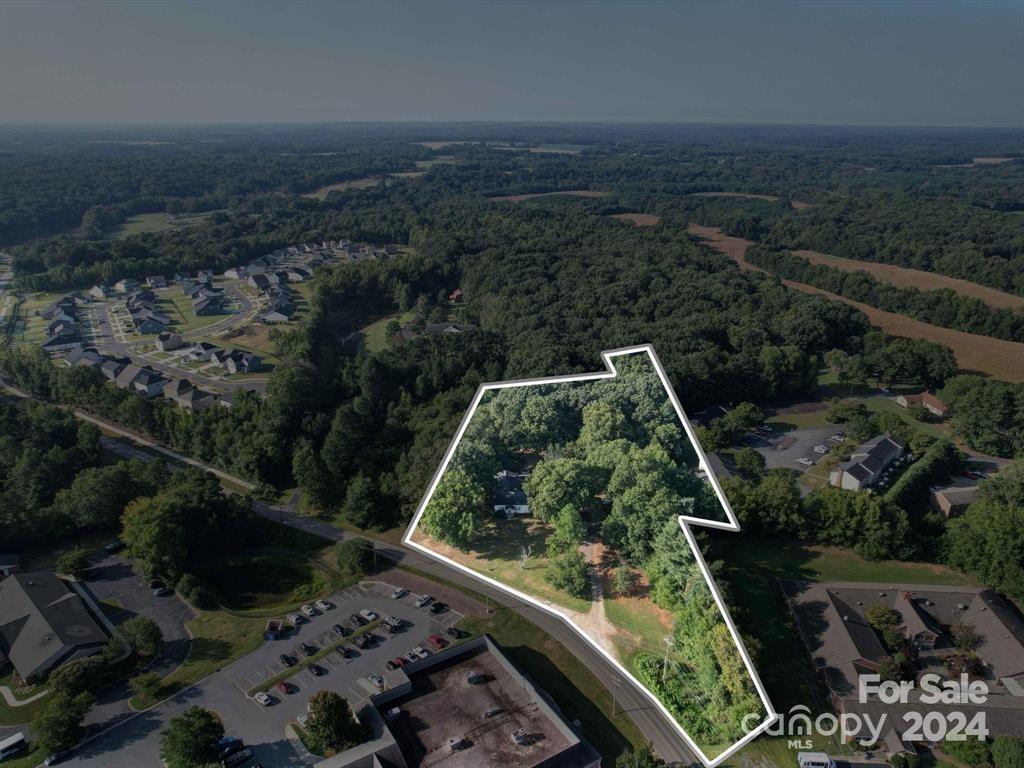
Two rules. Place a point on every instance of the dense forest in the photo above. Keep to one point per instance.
(548, 284)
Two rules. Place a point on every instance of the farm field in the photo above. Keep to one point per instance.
(532, 195)
(796, 204)
(638, 219)
(982, 354)
(905, 277)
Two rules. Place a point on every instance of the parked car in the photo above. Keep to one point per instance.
(114, 546)
(411, 656)
(393, 621)
(455, 632)
(285, 687)
(437, 641)
(344, 652)
(423, 600)
(340, 630)
(323, 605)
(399, 661)
(360, 641)
(156, 583)
(390, 665)
(295, 619)
(377, 680)
(163, 591)
(389, 629)
(286, 660)
(399, 593)
(317, 670)
(369, 615)
(262, 699)
(305, 649)
(438, 608)
(421, 652)
(308, 610)
(821, 449)
(805, 461)
(355, 621)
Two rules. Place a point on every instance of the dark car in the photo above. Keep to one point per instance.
(339, 630)
(455, 632)
(114, 546)
(305, 649)
(156, 583)
(163, 591)
(390, 665)
(286, 687)
(344, 652)
(360, 641)
(317, 670)
(287, 660)
(355, 620)
(438, 608)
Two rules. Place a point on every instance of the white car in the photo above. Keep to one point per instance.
(393, 621)
(821, 449)
(838, 437)
(308, 610)
(323, 605)
(295, 619)
(423, 600)
(421, 652)
(377, 680)
(262, 699)
(399, 593)
(369, 615)
(805, 461)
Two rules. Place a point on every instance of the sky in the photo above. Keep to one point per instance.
(861, 63)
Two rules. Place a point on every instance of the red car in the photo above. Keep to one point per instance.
(399, 661)
(285, 687)
(437, 641)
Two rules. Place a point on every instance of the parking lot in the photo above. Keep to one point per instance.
(795, 449)
(136, 742)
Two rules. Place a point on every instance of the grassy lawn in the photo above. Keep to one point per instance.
(157, 222)
(261, 579)
(752, 567)
(31, 329)
(185, 319)
(373, 334)
(17, 715)
(496, 553)
(30, 759)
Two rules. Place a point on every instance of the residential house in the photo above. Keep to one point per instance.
(206, 307)
(87, 358)
(64, 343)
(65, 307)
(61, 326)
(111, 369)
(954, 500)
(44, 624)
(101, 292)
(258, 280)
(148, 322)
(183, 394)
(926, 399)
(181, 277)
(236, 273)
(242, 362)
(272, 317)
(156, 281)
(867, 463)
(201, 351)
(916, 624)
(205, 276)
(509, 496)
(168, 341)
(298, 274)
(448, 328)
(141, 379)
(126, 285)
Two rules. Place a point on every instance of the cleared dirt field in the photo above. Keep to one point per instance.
(915, 278)
(980, 161)
(795, 204)
(321, 194)
(639, 219)
(568, 192)
(1003, 360)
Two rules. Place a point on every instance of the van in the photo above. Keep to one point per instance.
(12, 745)
(242, 756)
(815, 760)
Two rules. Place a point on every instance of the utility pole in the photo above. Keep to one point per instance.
(615, 691)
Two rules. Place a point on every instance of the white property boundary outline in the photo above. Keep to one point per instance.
(684, 522)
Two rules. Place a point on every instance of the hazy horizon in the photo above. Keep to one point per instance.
(865, 64)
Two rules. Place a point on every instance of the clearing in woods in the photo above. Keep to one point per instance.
(323, 192)
(566, 192)
(639, 219)
(1002, 359)
(796, 204)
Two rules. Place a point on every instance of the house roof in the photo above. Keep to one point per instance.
(39, 618)
(510, 489)
(1001, 631)
(915, 620)
(177, 388)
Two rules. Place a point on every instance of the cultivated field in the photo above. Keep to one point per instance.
(915, 278)
(639, 219)
(568, 192)
(1002, 359)
(796, 204)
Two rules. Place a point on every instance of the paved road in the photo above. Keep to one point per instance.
(630, 697)
(112, 578)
